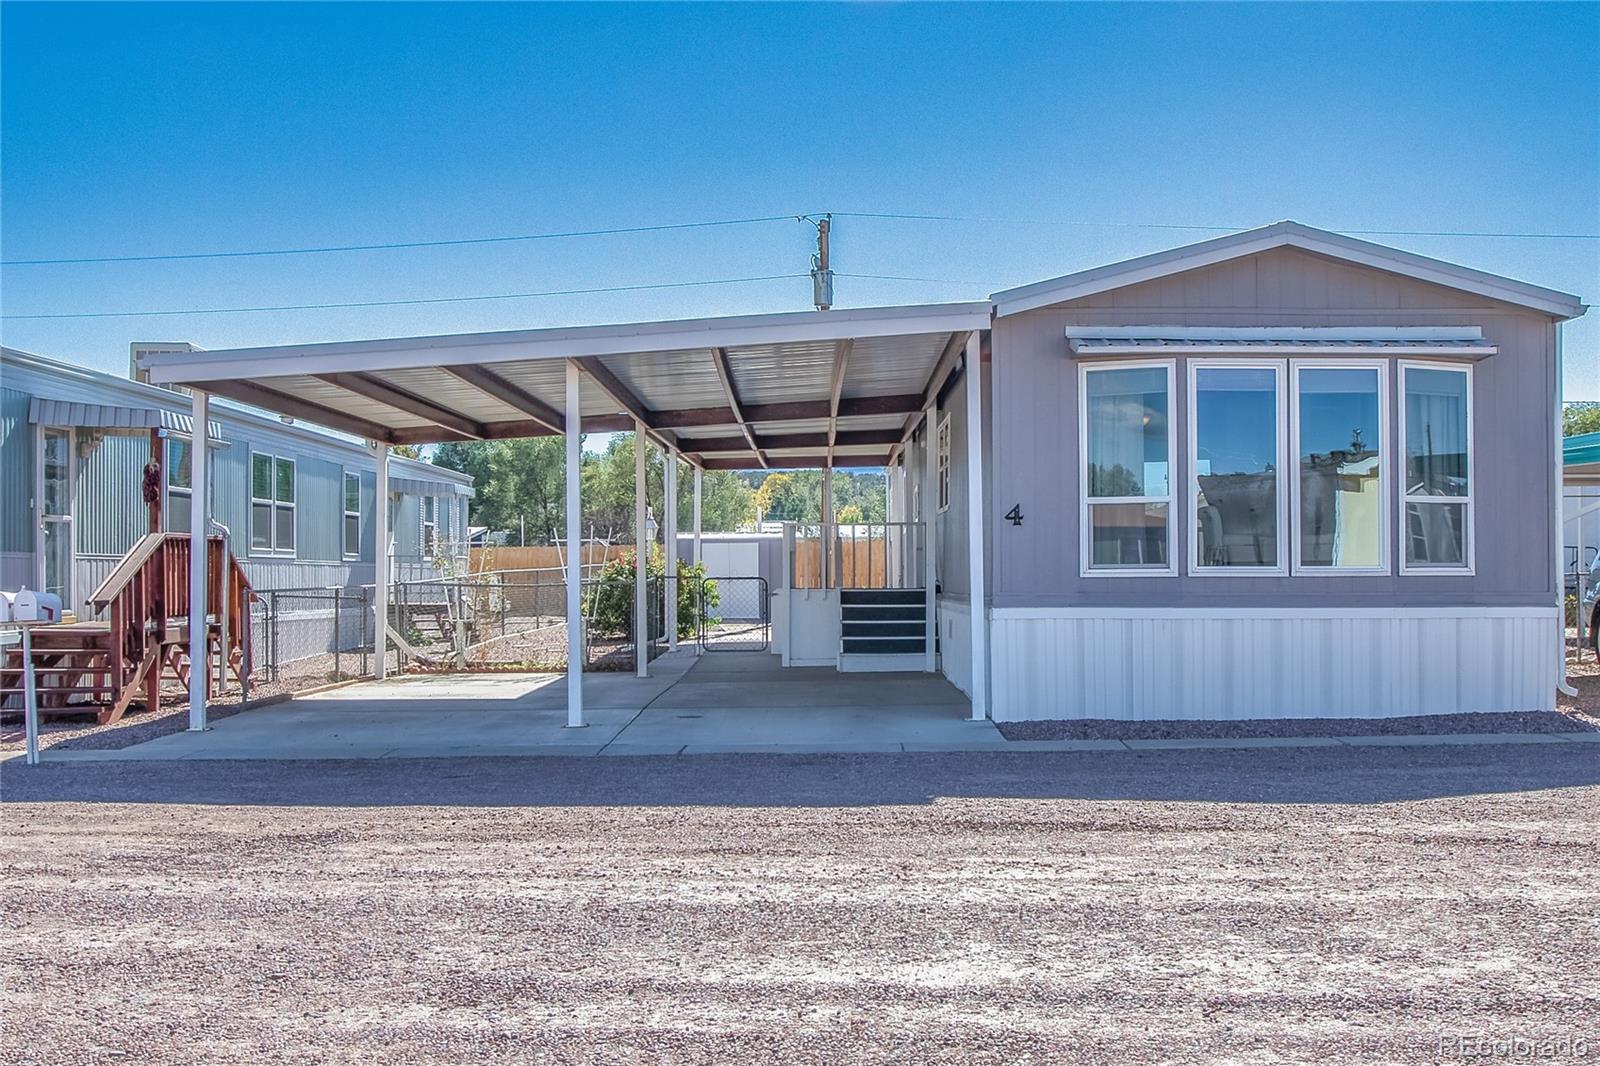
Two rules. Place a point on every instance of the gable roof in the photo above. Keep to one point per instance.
(1285, 235)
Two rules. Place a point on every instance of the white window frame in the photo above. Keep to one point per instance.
(1085, 538)
(1386, 459)
(1192, 423)
(943, 471)
(351, 551)
(429, 546)
(1469, 521)
(168, 466)
(275, 550)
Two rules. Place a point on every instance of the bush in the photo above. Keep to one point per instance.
(608, 600)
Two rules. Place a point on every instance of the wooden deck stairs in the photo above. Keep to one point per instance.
(103, 667)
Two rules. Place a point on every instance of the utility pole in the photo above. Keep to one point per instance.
(821, 271)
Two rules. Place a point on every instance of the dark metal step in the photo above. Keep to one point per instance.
(853, 628)
(866, 612)
(880, 596)
(883, 645)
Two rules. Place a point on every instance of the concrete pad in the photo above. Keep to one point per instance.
(1579, 738)
(1066, 745)
(641, 749)
(819, 748)
(1423, 740)
(1233, 742)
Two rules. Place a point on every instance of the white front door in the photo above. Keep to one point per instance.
(54, 550)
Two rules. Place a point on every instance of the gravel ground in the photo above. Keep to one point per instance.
(1269, 906)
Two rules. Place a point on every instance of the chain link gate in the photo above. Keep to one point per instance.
(735, 613)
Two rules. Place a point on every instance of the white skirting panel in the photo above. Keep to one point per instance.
(955, 643)
(1270, 663)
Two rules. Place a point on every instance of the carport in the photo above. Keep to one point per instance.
(814, 389)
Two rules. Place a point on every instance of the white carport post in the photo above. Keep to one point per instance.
(575, 651)
(698, 486)
(380, 564)
(977, 512)
(669, 546)
(930, 539)
(641, 620)
(199, 522)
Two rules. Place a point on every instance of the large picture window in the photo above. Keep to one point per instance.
(1236, 445)
(1127, 458)
(272, 502)
(1436, 491)
(1341, 506)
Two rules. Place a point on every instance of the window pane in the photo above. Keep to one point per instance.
(352, 534)
(352, 492)
(261, 477)
(427, 508)
(1436, 432)
(57, 465)
(178, 513)
(285, 481)
(1126, 417)
(1128, 535)
(1341, 499)
(1235, 461)
(178, 475)
(261, 525)
(285, 528)
(1436, 534)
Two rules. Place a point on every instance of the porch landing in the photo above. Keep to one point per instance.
(717, 702)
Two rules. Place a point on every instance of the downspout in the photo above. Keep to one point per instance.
(1558, 520)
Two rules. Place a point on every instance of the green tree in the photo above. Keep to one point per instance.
(850, 515)
(781, 498)
(1580, 416)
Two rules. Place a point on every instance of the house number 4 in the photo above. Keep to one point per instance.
(1014, 516)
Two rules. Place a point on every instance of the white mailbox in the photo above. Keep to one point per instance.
(5, 605)
(31, 606)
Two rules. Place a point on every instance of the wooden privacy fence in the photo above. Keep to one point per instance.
(539, 557)
(864, 556)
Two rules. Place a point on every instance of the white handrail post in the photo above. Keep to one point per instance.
(977, 527)
(380, 563)
(199, 542)
(574, 563)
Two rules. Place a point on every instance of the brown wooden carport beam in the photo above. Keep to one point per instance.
(282, 403)
(783, 441)
(719, 358)
(795, 462)
(788, 411)
(382, 392)
(491, 384)
(941, 370)
(626, 399)
(841, 365)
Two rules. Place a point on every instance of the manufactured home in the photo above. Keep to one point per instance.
(1280, 473)
(296, 499)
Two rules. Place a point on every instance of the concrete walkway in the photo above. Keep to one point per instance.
(721, 702)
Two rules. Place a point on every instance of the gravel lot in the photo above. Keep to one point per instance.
(1263, 906)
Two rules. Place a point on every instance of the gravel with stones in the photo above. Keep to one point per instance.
(1270, 906)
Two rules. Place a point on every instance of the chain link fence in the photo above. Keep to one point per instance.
(509, 620)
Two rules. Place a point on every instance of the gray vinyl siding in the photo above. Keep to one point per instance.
(369, 527)
(230, 492)
(16, 472)
(319, 510)
(1035, 438)
(407, 526)
(109, 513)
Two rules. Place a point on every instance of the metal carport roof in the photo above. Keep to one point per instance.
(809, 388)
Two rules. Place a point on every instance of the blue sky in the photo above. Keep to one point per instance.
(146, 129)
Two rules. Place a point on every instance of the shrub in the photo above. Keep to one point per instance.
(608, 599)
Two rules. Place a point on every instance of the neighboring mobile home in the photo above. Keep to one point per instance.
(296, 499)
(1280, 473)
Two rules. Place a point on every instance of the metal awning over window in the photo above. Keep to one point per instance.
(424, 487)
(1452, 342)
(47, 412)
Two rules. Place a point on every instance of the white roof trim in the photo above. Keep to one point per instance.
(1279, 235)
(428, 487)
(49, 412)
(1459, 341)
(566, 342)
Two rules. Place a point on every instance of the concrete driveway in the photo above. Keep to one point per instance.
(717, 702)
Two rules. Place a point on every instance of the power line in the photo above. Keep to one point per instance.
(1213, 228)
(403, 303)
(395, 245)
